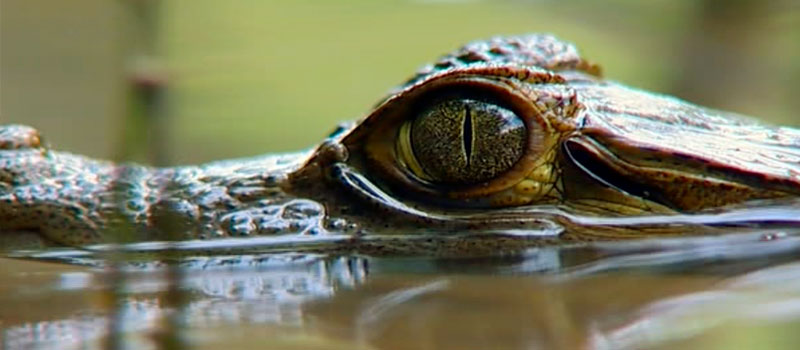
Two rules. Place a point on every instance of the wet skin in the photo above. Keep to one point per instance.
(501, 136)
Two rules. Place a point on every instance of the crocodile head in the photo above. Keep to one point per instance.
(503, 143)
(522, 135)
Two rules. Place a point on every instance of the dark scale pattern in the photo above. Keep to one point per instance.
(535, 50)
(241, 198)
(60, 198)
(75, 200)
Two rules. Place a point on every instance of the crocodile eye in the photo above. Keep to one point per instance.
(461, 142)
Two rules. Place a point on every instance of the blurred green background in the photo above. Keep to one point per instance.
(244, 77)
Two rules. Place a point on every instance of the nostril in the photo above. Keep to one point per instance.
(18, 137)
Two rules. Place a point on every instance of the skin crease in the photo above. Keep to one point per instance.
(594, 148)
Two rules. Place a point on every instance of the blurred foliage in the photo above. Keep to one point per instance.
(248, 77)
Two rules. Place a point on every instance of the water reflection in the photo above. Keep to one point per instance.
(649, 294)
(769, 297)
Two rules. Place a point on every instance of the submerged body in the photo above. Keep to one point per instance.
(501, 136)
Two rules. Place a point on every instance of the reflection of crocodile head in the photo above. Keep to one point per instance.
(509, 135)
(540, 299)
(219, 291)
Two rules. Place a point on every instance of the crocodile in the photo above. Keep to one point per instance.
(506, 142)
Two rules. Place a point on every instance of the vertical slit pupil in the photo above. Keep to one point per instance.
(466, 130)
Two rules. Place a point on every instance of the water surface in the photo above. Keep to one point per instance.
(740, 290)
